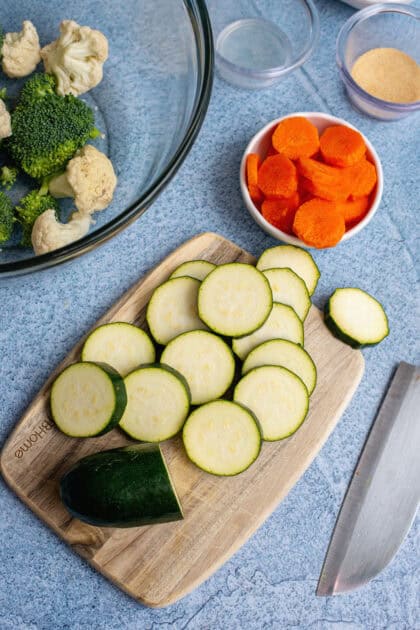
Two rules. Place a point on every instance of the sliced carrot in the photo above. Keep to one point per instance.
(280, 212)
(255, 194)
(322, 180)
(304, 193)
(362, 177)
(296, 137)
(271, 151)
(253, 162)
(353, 210)
(342, 146)
(318, 223)
(277, 176)
(286, 202)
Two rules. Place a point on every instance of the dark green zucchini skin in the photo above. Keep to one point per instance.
(337, 332)
(120, 395)
(122, 487)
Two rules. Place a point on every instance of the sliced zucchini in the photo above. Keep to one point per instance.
(282, 323)
(119, 344)
(222, 438)
(289, 289)
(123, 487)
(295, 258)
(286, 354)
(205, 361)
(172, 309)
(198, 269)
(277, 397)
(158, 401)
(235, 299)
(87, 399)
(356, 318)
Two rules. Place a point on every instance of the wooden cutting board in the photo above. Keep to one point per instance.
(159, 564)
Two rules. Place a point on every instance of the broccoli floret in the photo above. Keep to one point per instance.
(3, 91)
(29, 209)
(48, 129)
(8, 175)
(6, 217)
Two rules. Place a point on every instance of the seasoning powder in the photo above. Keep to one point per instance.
(389, 74)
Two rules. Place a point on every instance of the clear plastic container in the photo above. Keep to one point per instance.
(258, 42)
(361, 4)
(380, 26)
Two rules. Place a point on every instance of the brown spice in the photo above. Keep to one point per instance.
(389, 74)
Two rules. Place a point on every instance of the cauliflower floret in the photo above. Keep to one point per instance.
(76, 58)
(49, 234)
(5, 122)
(21, 51)
(89, 178)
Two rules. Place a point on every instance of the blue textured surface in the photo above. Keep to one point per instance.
(270, 582)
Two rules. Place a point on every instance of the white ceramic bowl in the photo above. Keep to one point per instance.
(260, 144)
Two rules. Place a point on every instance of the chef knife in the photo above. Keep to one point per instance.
(382, 498)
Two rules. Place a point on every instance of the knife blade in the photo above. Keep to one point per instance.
(382, 498)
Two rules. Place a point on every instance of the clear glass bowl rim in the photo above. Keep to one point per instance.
(360, 16)
(272, 73)
(197, 11)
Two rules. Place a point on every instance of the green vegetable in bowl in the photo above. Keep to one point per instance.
(6, 217)
(30, 208)
(8, 175)
(48, 129)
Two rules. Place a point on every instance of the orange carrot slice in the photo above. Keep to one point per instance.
(296, 137)
(271, 151)
(280, 213)
(319, 224)
(362, 177)
(342, 146)
(322, 180)
(286, 202)
(353, 210)
(253, 162)
(255, 194)
(277, 176)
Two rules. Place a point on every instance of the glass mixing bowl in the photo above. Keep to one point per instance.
(149, 105)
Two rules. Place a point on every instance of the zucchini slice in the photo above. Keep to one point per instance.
(277, 397)
(222, 438)
(198, 269)
(282, 323)
(121, 345)
(158, 401)
(87, 399)
(123, 487)
(172, 309)
(234, 300)
(295, 258)
(205, 361)
(286, 354)
(356, 318)
(289, 289)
